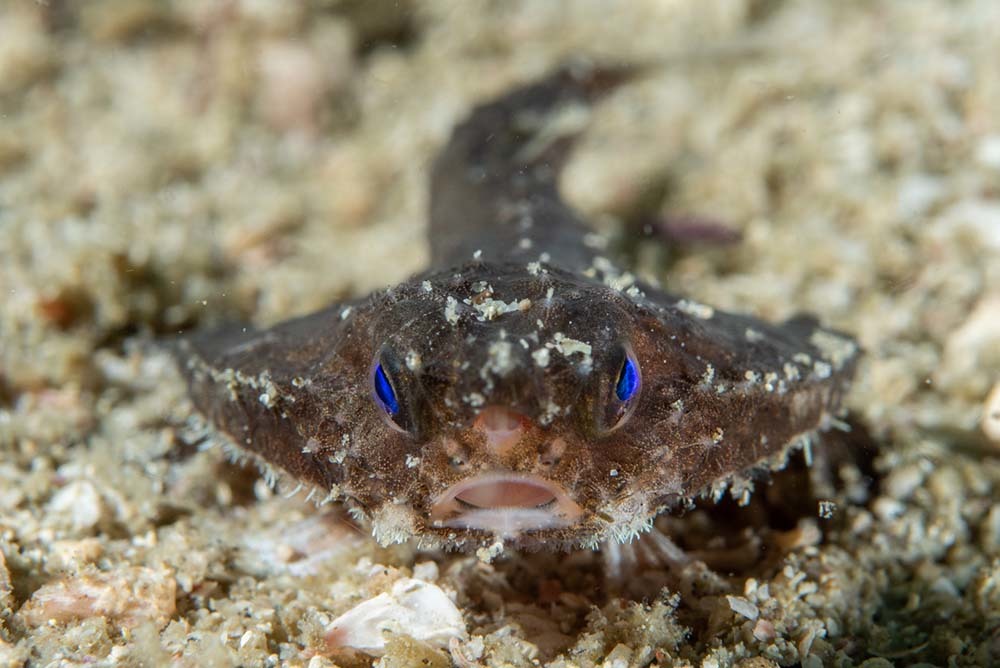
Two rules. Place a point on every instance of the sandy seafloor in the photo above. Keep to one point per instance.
(169, 165)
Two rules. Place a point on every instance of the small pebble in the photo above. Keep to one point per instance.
(988, 151)
(764, 631)
(79, 503)
(130, 597)
(73, 554)
(293, 85)
(6, 588)
(991, 415)
(827, 509)
(742, 606)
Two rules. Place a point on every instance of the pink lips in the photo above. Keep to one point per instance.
(505, 504)
(514, 493)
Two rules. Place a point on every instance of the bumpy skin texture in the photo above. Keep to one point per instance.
(519, 313)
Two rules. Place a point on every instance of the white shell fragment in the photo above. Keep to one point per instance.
(412, 607)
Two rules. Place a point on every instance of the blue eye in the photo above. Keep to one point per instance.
(628, 380)
(384, 392)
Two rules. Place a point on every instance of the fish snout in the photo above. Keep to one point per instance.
(502, 428)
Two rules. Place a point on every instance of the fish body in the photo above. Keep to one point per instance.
(524, 389)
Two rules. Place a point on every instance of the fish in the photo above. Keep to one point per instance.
(525, 390)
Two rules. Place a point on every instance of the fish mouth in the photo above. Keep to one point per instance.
(505, 504)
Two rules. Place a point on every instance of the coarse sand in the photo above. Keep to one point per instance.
(168, 165)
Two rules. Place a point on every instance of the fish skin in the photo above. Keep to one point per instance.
(518, 310)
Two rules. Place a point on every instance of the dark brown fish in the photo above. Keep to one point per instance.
(524, 389)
